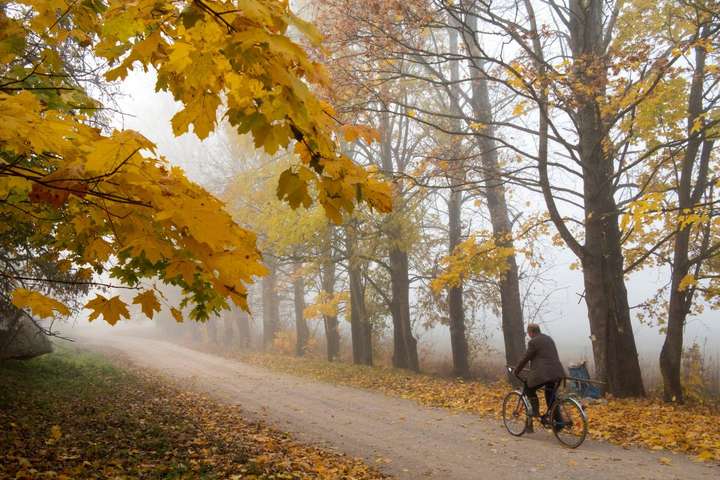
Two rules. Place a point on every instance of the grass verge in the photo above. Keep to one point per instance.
(73, 414)
(650, 423)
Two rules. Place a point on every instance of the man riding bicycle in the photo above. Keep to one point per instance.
(546, 371)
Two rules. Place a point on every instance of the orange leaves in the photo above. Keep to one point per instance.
(110, 308)
(352, 132)
(691, 429)
(148, 303)
(102, 421)
(262, 74)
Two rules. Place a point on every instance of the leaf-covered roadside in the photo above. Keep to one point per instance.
(74, 415)
(691, 429)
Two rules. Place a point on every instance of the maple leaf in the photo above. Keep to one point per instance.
(111, 309)
(40, 305)
(177, 315)
(148, 303)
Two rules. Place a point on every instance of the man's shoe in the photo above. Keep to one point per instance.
(529, 427)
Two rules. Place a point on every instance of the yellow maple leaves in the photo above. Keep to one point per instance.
(117, 201)
(39, 304)
(148, 302)
(110, 308)
(474, 256)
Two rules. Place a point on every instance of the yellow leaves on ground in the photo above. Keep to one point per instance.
(148, 303)
(39, 304)
(693, 429)
(143, 427)
(110, 308)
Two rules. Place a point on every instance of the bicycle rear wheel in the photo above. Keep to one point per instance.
(515, 414)
(569, 422)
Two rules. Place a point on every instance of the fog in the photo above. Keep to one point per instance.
(562, 313)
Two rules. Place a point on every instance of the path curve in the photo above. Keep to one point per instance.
(399, 436)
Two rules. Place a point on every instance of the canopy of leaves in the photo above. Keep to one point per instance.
(102, 201)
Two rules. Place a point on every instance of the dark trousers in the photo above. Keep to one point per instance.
(531, 392)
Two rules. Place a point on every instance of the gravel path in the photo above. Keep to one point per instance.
(400, 436)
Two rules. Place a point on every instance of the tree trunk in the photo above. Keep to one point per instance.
(404, 344)
(494, 192)
(271, 305)
(332, 335)
(301, 327)
(456, 311)
(613, 342)
(456, 308)
(405, 355)
(359, 324)
(680, 301)
(243, 324)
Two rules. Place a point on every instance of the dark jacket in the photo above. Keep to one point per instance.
(545, 364)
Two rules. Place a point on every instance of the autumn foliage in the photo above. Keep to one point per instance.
(101, 200)
(98, 421)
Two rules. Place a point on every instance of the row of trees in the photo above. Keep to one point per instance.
(603, 112)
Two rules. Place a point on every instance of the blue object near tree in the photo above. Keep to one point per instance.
(583, 389)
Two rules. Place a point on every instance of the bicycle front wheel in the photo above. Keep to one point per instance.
(569, 422)
(515, 414)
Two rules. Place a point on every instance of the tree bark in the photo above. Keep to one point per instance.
(404, 344)
(243, 324)
(688, 196)
(456, 308)
(332, 335)
(359, 325)
(271, 305)
(494, 192)
(613, 342)
(301, 327)
(405, 355)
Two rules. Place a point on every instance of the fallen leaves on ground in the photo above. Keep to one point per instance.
(650, 423)
(69, 415)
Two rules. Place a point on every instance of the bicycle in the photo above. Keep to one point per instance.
(566, 416)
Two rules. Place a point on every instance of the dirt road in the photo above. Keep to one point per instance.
(401, 437)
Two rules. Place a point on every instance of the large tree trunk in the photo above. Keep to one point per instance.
(456, 311)
(405, 355)
(494, 191)
(456, 308)
(613, 341)
(301, 327)
(680, 300)
(332, 335)
(359, 324)
(271, 305)
(404, 344)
